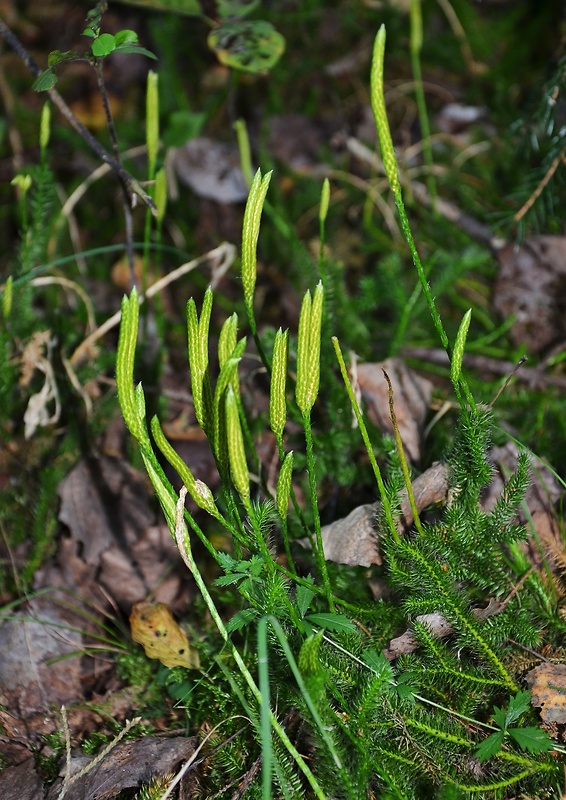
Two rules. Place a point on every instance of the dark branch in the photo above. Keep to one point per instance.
(132, 184)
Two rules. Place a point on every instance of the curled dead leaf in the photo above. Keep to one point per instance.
(530, 288)
(153, 627)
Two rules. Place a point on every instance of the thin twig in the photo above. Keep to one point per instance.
(126, 204)
(221, 258)
(528, 204)
(134, 187)
(532, 376)
(507, 380)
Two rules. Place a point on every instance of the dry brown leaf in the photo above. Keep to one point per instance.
(353, 540)
(161, 637)
(128, 766)
(104, 502)
(411, 397)
(210, 168)
(30, 682)
(548, 688)
(531, 286)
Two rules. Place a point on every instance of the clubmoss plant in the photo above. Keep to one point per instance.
(377, 718)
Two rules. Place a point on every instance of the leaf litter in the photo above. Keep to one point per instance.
(107, 553)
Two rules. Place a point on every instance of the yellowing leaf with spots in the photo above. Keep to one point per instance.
(153, 627)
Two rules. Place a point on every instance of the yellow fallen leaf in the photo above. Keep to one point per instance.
(153, 627)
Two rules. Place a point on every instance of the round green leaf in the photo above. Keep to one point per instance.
(251, 46)
(104, 45)
(126, 37)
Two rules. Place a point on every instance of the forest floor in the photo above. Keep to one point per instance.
(82, 538)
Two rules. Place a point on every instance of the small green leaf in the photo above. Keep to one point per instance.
(500, 717)
(332, 622)
(46, 80)
(126, 37)
(226, 561)
(104, 45)
(378, 664)
(517, 706)
(404, 688)
(135, 48)
(250, 46)
(532, 739)
(56, 57)
(490, 746)
(304, 597)
(229, 580)
(90, 32)
(241, 619)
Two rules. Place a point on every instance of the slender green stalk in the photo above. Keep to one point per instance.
(184, 545)
(391, 169)
(306, 391)
(416, 46)
(319, 549)
(404, 320)
(263, 660)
